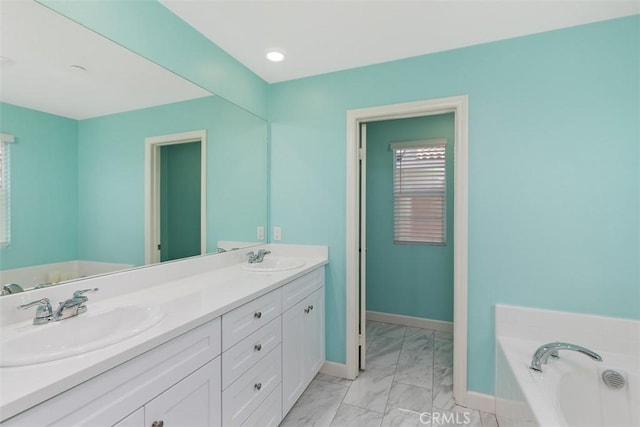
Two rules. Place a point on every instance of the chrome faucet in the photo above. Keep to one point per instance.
(543, 353)
(74, 305)
(44, 313)
(68, 308)
(259, 257)
(11, 288)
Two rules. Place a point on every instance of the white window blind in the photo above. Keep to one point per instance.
(5, 140)
(419, 190)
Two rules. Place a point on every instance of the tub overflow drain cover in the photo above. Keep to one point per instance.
(613, 379)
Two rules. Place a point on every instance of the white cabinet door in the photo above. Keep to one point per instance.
(193, 402)
(293, 355)
(314, 336)
(302, 346)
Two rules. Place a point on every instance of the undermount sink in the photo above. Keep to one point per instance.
(99, 327)
(270, 265)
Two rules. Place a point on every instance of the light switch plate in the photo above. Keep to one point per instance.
(277, 233)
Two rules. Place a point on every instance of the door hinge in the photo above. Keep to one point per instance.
(158, 247)
(360, 339)
(361, 153)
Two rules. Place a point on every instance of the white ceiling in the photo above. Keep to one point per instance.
(42, 45)
(317, 36)
(323, 36)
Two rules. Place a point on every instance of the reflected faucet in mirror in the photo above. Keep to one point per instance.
(11, 288)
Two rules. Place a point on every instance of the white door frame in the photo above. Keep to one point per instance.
(152, 189)
(459, 106)
(362, 156)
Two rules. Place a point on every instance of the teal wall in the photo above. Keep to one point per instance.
(149, 29)
(180, 200)
(553, 171)
(111, 175)
(43, 180)
(406, 279)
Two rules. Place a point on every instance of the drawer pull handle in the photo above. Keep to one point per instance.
(258, 386)
(311, 307)
(158, 424)
(257, 314)
(257, 347)
(306, 310)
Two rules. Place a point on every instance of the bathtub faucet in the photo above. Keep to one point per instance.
(542, 355)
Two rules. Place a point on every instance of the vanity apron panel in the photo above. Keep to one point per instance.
(109, 397)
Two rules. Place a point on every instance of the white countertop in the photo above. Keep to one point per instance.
(188, 302)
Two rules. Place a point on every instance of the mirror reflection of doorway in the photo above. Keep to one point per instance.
(175, 194)
(180, 202)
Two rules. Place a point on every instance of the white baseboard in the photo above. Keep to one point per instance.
(417, 322)
(335, 369)
(480, 401)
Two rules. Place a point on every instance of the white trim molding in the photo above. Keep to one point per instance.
(5, 193)
(334, 369)
(151, 185)
(7, 138)
(459, 106)
(480, 401)
(415, 322)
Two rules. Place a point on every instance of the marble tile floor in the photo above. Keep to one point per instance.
(408, 382)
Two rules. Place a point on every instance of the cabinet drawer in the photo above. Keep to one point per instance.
(245, 395)
(242, 356)
(269, 413)
(239, 323)
(301, 287)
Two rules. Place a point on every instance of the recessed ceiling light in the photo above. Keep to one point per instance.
(275, 56)
(79, 68)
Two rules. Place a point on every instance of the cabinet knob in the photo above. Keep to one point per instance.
(257, 347)
(158, 424)
(306, 310)
(257, 314)
(258, 386)
(311, 307)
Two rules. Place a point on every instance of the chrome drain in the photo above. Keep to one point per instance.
(613, 379)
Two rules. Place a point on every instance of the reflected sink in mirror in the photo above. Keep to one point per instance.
(27, 344)
(275, 264)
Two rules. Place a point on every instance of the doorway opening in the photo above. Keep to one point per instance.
(406, 216)
(175, 196)
(356, 222)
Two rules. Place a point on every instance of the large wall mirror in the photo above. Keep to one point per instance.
(82, 110)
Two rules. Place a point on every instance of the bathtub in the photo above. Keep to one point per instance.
(569, 392)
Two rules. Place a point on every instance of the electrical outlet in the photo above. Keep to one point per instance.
(277, 233)
(260, 233)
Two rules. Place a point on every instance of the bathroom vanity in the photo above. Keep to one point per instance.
(235, 347)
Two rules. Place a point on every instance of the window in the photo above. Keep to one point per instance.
(419, 191)
(5, 140)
